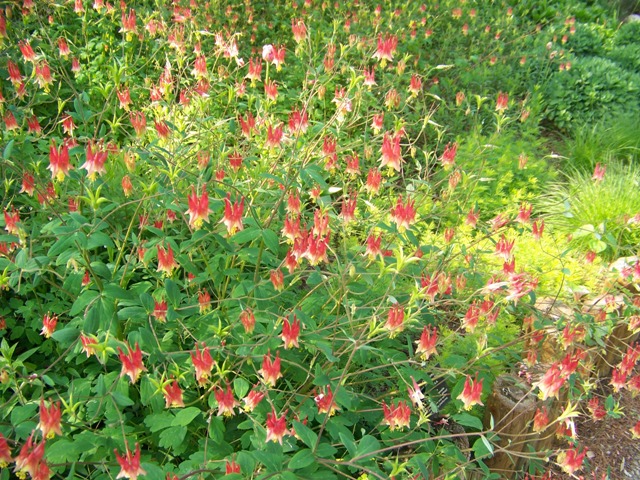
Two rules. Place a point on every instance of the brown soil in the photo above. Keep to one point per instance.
(612, 449)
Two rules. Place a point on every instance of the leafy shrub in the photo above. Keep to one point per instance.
(589, 144)
(594, 89)
(627, 34)
(600, 216)
(627, 56)
(588, 39)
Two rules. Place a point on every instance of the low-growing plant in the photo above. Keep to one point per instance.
(598, 211)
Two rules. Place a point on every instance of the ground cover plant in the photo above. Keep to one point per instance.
(303, 240)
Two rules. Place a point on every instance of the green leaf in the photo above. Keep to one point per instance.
(66, 335)
(172, 437)
(185, 416)
(349, 443)
(8, 149)
(325, 450)
(367, 445)
(99, 239)
(173, 292)
(271, 240)
(240, 387)
(117, 292)
(308, 436)
(122, 400)
(302, 459)
(159, 421)
(482, 447)
(468, 420)
(246, 235)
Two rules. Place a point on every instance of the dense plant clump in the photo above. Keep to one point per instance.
(302, 240)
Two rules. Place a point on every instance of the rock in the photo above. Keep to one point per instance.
(634, 17)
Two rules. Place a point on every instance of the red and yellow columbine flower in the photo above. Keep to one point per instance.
(233, 215)
(49, 323)
(198, 208)
(403, 215)
(252, 400)
(59, 161)
(203, 363)
(395, 319)
(173, 395)
(95, 160)
(30, 460)
(226, 401)
(391, 153)
(290, 333)
(50, 419)
(540, 420)
(276, 427)
(325, 401)
(471, 392)
(166, 262)
(570, 460)
(396, 416)
(270, 370)
(5, 452)
(248, 320)
(131, 363)
(130, 464)
(427, 342)
(89, 343)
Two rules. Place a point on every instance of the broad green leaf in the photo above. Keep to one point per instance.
(185, 416)
(172, 437)
(468, 420)
(240, 387)
(367, 445)
(173, 292)
(308, 436)
(159, 421)
(302, 459)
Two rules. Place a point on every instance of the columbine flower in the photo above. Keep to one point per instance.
(226, 401)
(415, 393)
(276, 427)
(5, 452)
(540, 420)
(551, 382)
(391, 153)
(95, 160)
(131, 363)
(277, 279)
(395, 319)
(471, 392)
(89, 343)
(173, 395)
(504, 248)
(130, 464)
(325, 401)
(198, 208)
(50, 419)
(30, 460)
(396, 416)
(635, 430)
(248, 320)
(403, 215)
(203, 363)
(49, 323)
(252, 400)
(11, 221)
(59, 161)
(270, 370)
(231, 467)
(427, 342)
(570, 460)
(290, 333)
(448, 158)
(598, 173)
(502, 102)
(166, 262)
(233, 215)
